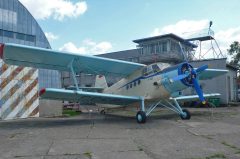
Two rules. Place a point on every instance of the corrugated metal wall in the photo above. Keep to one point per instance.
(19, 92)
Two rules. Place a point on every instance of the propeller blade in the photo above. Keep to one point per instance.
(202, 68)
(198, 90)
(179, 77)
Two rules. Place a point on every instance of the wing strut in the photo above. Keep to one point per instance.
(73, 74)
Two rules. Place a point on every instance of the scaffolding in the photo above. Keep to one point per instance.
(205, 38)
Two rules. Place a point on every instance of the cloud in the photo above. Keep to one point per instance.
(224, 39)
(228, 36)
(56, 9)
(182, 27)
(50, 36)
(188, 28)
(87, 47)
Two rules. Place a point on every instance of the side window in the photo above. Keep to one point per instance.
(139, 81)
(144, 72)
(147, 71)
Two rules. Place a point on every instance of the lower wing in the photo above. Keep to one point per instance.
(194, 97)
(81, 96)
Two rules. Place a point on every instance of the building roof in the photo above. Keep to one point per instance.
(121, 54)
(210, 59)
(171, 35)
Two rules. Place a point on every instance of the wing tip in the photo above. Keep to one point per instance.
(1, 50)
(42, 91)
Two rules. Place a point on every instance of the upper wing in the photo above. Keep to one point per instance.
(48, 59)
(194, 97)
(211, 73)
(76, 96)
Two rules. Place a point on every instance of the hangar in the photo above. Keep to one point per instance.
(19, 86)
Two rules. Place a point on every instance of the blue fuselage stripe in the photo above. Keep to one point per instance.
(169, 69)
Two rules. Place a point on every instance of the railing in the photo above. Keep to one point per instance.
(199, 33)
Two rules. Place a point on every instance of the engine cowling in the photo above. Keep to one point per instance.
(187, 69)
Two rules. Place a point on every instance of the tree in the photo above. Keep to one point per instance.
(234, 51)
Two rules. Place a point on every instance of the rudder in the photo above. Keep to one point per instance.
(101, 81)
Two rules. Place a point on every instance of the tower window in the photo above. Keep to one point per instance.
(8, 34)
(20, 36)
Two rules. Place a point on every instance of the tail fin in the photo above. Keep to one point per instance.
(101, 81)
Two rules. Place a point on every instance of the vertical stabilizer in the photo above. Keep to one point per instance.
(101, 81)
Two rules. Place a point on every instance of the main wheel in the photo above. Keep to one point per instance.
(103, 112)
(186, 115)
(141, 117)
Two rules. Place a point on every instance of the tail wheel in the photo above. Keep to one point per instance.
(141, 117)
(186, 115)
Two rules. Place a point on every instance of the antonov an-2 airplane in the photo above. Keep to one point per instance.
(151, 86)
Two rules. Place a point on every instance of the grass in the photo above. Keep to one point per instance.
(216, 156)
(231, 146)
(88, 154)
(71, 112)
(140, 148)
(238, 152)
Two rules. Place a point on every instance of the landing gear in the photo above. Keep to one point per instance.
(141, 117)
(103, 112)
(185, 115)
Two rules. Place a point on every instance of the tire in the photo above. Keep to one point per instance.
(141, 117)
(186, 115)
(103, 112)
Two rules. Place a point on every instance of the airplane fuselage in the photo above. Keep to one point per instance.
(153, 85)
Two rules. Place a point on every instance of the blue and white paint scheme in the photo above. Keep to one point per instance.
(152, 85)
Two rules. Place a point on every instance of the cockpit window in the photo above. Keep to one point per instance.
(163, 65)
(155, 68)
(147, 70)
(144, 72)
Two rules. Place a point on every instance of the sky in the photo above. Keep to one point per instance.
(100, 26)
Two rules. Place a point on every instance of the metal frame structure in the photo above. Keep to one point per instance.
(165, 103)
(73, 74)
(198, 39)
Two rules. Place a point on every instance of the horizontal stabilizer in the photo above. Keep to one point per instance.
(211, 73)
(81, 96)
(56, 60)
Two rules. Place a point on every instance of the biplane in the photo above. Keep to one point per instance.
(144, 86)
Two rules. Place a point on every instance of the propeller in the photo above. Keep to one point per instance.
(189, 76)
(179, 77)
(202, 68)
(198, 90)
